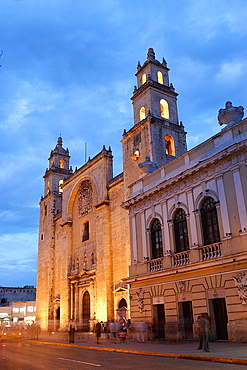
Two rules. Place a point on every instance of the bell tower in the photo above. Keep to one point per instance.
(50, 208)
(157, 132)
(58, 169)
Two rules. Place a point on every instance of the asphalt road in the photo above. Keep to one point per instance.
(24, 356)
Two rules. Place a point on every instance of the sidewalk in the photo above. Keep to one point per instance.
(224, 351)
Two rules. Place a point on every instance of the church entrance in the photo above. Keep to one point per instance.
(122, 308)
(219, 318)
(86, 311)
(186, 319)
(159, 321)
(57, 318)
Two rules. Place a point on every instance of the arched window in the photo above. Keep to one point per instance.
(60, 183)
(144, 78)
(85, 235)
(92, 259)
(160, 77)
(180, 231)
(86, 311)
(156, 239)
(48, 187)
(209, 219)
(164, 109)
(142, 113)
(61, 163)
(170, 147)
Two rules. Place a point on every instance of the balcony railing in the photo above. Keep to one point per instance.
(181, 259)
(156, 265)
(173, 260)
(211, 251)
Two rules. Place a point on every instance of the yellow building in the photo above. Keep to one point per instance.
(176, 217)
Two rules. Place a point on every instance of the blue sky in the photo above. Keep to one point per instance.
(68, 67)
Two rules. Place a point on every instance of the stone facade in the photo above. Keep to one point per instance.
(83, 249)
(173, 225)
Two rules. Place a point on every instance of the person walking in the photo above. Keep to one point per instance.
(98, 332)
(199, 325)
(205, 332)
(113, 330)
(71, 330)
(123, 332)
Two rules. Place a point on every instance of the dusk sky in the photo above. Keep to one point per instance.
(68, 67)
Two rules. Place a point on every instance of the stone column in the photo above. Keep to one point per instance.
(71, 301)
(144, 237)
(223, 207)
(193, 228)
(240, 198)
(165, 231)
(134, 241)
(76, 295)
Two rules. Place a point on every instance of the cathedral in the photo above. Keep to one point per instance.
(162, 242)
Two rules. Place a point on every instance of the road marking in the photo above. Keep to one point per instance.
(80, 362)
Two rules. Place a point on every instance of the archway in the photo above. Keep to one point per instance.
(122, 308)
(122, 303)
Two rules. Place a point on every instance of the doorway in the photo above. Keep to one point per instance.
(219, 317)
(159, 321)
(186, 319)
(122, 309)
(85, 311)
(57, 318)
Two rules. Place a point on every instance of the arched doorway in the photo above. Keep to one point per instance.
(122, 303)
(85, 311)
(122, 308)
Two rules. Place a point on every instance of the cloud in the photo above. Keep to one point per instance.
(69, 68)
(231, 71)
(18, 255)
(208, 20)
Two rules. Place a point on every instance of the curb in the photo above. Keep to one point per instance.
(237, 361)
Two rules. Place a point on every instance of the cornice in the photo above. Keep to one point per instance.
(180, 181)
(90, 163)
(154, 62)
(155, 85)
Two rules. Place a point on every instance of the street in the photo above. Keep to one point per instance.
(24, 356)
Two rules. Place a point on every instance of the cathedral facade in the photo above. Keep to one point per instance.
(83, 246)
(162, 242)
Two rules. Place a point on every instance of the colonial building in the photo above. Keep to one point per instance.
(83, 245)
(176, 217)
(11, 294)
(188, 227)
